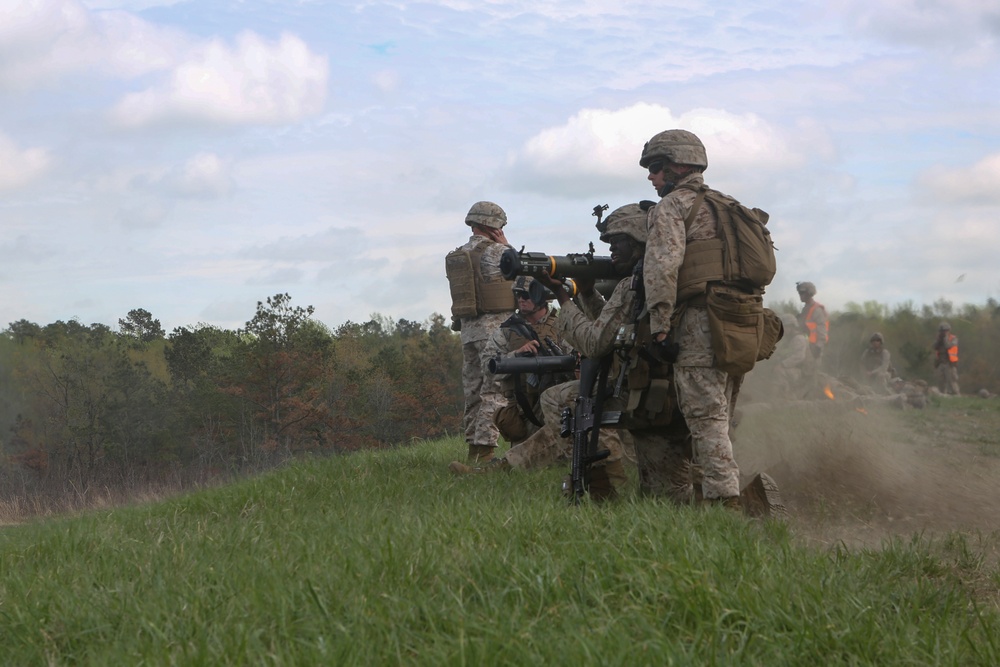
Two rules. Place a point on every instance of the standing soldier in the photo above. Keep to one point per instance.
(481, 301)
(946, 359)
(814, 319)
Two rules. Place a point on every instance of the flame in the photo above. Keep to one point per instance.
(862, 410)
(828, 392)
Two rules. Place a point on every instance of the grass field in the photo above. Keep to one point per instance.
(384, 557)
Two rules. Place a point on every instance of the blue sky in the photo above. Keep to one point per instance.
(193, 158)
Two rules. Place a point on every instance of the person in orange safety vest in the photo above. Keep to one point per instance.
(946, 359)
(813, 318)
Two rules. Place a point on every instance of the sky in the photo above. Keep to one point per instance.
(194, 157)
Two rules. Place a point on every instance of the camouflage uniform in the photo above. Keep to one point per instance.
(482, 396)
(815, 320)
(500, 343)
(591, 324)
(706, 395)
(875, 364)
(946, 360)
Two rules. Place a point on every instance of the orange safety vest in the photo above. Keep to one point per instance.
(951, 341)
(814, 329)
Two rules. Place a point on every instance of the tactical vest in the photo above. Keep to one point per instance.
(813, 327)
(741, 254)
(471, 294)
(727, 274)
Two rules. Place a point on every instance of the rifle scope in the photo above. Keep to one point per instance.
(580, 265)
(563, 363)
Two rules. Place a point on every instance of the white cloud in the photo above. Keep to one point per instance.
(205, 176)
(978, 184)
(603, 145)
(20, 166)
(45, 40)
(959, 24)
(256, 81)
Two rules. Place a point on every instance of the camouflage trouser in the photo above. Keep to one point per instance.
(948, 379)
(707, 398)
(664, 461)
(546, 446)
(482, 398)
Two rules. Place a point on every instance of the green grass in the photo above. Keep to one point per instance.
(386, 558)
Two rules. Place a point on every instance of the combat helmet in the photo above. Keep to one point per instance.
(944, 327)
(806, 288)
(486, 214)
(535, 290)
(629, 220)
(677, 146)
(876, 337)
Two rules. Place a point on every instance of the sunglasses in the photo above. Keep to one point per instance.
(521, 294)
(656, 168)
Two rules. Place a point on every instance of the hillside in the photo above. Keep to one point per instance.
(384, 557)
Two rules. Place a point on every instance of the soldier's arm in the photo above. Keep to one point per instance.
(596, 338)
(665, 244)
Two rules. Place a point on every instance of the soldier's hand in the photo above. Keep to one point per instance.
(528, 349)
(585, 286)
(497, 235)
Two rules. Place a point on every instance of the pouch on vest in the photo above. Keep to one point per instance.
(462, 282)
(736, 321)
(773, 332)
(650, 407)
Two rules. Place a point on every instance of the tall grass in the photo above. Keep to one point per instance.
(383, 557)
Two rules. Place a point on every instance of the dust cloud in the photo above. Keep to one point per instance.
(858, 471)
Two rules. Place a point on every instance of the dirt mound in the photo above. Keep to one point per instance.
(856, 475)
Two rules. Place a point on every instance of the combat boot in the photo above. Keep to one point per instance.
(761, 499)
(493, 465)
(479, 454)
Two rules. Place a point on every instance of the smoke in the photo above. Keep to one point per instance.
(857, 472)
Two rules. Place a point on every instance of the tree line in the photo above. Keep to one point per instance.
(91, 406)
(88, 406)
(909, 332)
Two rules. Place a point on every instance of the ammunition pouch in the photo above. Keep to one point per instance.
(736, 321)
(651, 399)
(773, 332)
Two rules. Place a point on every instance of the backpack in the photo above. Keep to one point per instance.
(747, 249)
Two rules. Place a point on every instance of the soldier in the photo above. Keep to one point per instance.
(481, 301)
(528, 332)
(946, 359)
(625, 231)
(876, 365)
(542, 444)
(814, 319)
(795, 373)
(676, 160)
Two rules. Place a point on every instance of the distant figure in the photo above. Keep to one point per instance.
(796, 367)
(875, 364)
(480, 301)
(946, 360)
(814, 319)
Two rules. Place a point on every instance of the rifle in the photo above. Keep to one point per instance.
(584, 424)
